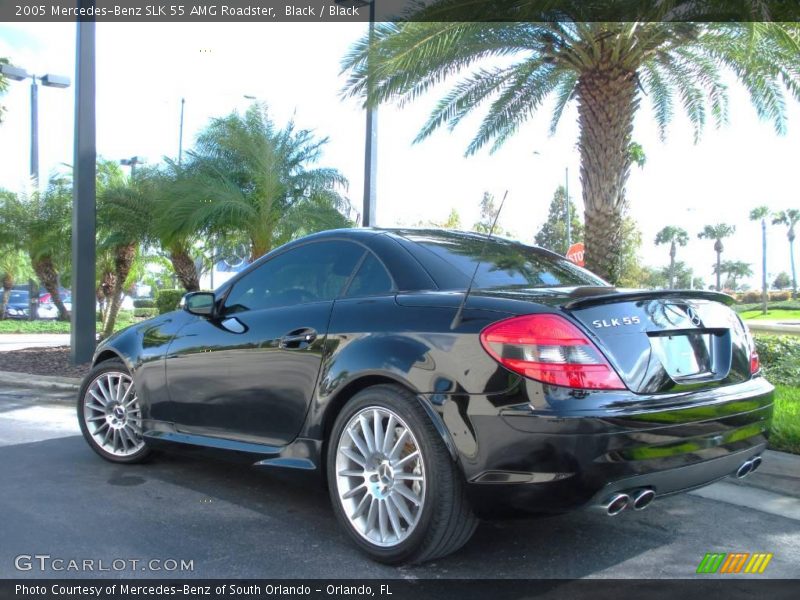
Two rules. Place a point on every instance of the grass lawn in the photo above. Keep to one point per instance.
(19, 326)
(772, 314)
(785, 434)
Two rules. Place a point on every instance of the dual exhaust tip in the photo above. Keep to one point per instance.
(748, 467)
(637, 500)
(641, 498)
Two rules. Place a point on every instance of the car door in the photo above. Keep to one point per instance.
(249, 374)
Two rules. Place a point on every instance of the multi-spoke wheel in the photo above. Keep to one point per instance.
(393, 483)
(110, 415)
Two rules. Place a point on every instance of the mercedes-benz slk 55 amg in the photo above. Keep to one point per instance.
(345, 354)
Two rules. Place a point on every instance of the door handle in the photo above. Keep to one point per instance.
(295, 338)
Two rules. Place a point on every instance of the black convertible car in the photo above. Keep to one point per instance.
(347, 354)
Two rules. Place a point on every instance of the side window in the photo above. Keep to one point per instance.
(313, 272)
(371, 279)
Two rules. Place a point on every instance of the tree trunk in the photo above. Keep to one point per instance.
(123, 261)
(719, 271)
(672, 253)
(8, 283)
(606, 105)
(185, 269)
(791, 261)
(764, 292)
(46, 272)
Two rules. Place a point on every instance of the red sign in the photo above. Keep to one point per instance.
(575, 254)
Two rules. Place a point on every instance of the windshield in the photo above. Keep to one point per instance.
(503, 263)
(18, 297)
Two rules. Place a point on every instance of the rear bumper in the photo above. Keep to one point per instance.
(522, 460)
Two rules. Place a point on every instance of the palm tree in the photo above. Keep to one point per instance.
(789, 218)
(760, 213)
(717, 233)
(605, 67)
(14, 266)
(42, 222)
(247, 177)
(674, 236)
(124, 224)
(734, 269)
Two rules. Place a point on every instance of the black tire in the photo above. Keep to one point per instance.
(446, 521)
(97, 373)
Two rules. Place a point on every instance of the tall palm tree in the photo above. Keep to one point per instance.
(789, 218)
(248, 177)
(674, 236)
(717, 233)
(760, 213)
(605, 67)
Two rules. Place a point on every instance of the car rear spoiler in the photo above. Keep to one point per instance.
(613, 296)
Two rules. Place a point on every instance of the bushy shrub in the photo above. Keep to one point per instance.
(167, 300)
(779, 296)
(780, 358)
(750, 297)
(144, 303)
(145, 313)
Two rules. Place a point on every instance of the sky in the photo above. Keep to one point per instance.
(143, 71)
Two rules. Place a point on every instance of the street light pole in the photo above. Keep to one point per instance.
(84, 321)
(180, 134)
(567, 215)
(371, 141)
(34, 130)
(48, 80)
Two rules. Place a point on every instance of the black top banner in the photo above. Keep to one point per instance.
(141, 11)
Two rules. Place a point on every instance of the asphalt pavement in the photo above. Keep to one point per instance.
(59, 499)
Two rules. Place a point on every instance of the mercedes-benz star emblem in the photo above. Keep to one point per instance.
(693, 316)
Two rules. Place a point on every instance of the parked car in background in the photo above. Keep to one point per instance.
(48, 310)
(18, 304)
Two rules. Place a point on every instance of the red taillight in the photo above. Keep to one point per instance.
(550, 349)
(755, 364)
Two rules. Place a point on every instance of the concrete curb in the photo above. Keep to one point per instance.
(47, 382)
(779, 328)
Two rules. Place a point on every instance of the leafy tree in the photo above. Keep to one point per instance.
(782, 281)
(760, 213)
(629, 259)
(553, 233)
(674, 236)
(789, 218)
(605, 67)
(735, 270)
(717, 233)
(3, 90)
(248, 177)
(453, 222)
(488, 214)
(41, 222)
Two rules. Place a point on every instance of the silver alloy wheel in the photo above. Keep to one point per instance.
(380, 476)
(112, 414)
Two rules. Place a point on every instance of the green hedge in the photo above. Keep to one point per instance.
(145, 313)
(167, 300)
(144, 303)
(785, 305)
(780, 358)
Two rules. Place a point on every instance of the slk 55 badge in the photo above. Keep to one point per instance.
(601, 323)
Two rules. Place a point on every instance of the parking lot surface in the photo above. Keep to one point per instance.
(59, 499)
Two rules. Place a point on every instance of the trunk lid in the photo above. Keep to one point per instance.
(667, 340)
(658, 341)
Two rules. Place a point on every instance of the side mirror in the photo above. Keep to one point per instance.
(199, 303)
